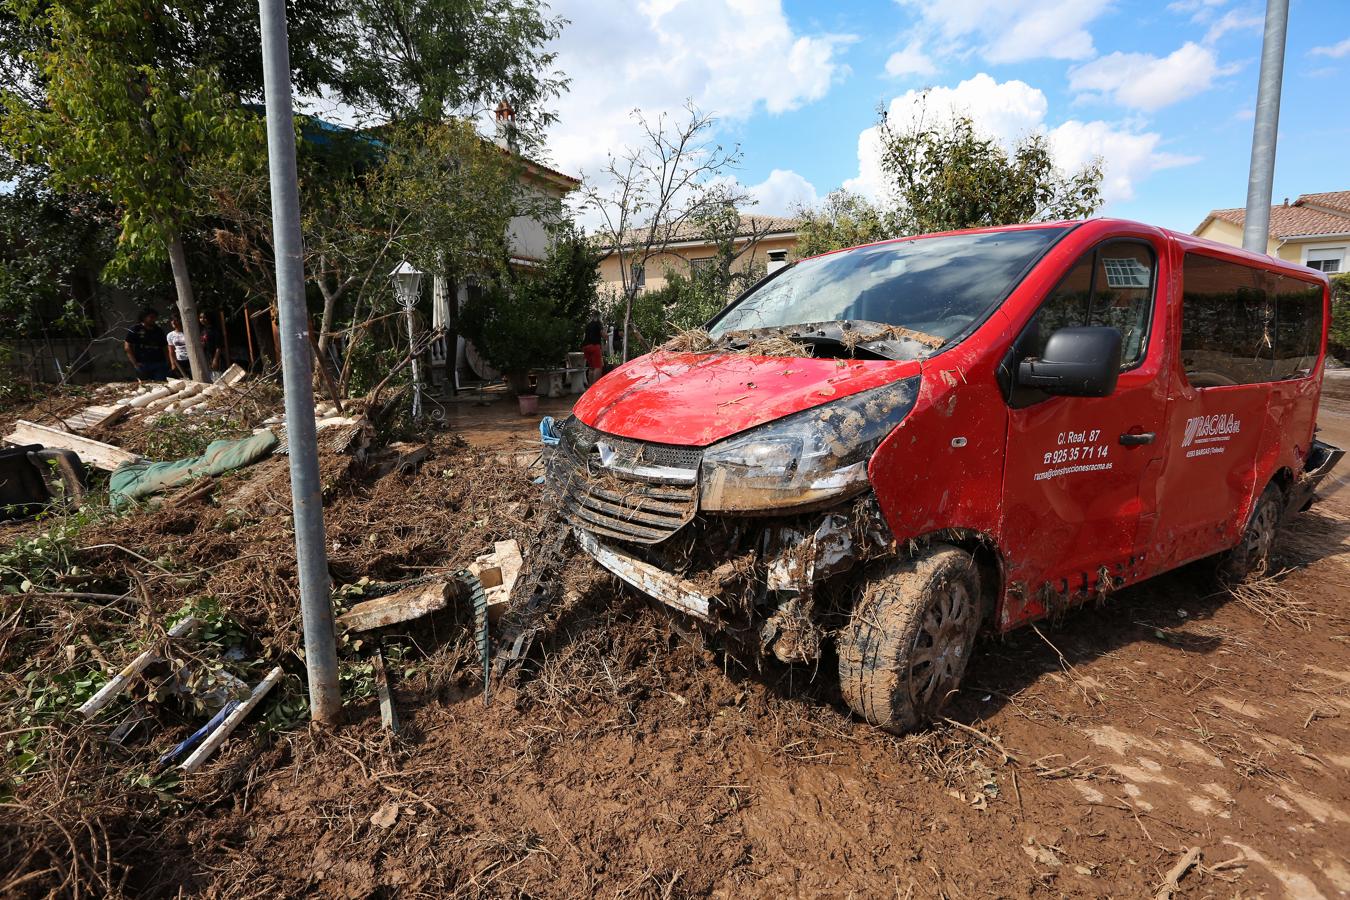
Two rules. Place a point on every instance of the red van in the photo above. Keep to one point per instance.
(895, 445)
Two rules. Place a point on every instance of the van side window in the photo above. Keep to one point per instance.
(1242, 325)
(1112, 284)
(1298, 326)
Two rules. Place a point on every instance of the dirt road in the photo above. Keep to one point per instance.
(1089, 758)
(1083, 759)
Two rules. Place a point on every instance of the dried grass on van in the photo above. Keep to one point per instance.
(691, 340)
(1275, 603)
(697, 340)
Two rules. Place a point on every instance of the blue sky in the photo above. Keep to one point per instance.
(1163, 92)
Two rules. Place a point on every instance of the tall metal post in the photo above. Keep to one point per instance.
(1260, 181)
(325, 701)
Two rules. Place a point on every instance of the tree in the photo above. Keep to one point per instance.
(647, 194)
(530, 319)
(430, 59)
(947, 175)
(434, 194)
(120, 123)
(843, 219)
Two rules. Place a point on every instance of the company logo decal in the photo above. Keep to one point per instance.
(1208, 434)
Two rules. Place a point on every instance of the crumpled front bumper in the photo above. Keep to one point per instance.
(675, 592)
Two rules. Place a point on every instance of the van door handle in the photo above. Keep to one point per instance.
(1137, 440)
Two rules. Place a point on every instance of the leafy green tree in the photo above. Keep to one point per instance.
(947, 175)
(531, 319)
(843, 219)
(119, 122)
(432, 193)
(429, 59)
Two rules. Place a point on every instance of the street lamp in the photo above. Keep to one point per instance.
(407, 288)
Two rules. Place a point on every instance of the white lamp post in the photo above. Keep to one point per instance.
(407, 288)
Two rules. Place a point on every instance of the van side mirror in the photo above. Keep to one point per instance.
(1077, 362)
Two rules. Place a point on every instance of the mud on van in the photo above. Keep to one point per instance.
(972, 430)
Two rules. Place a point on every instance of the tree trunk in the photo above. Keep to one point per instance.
(627, 317)
(187, 310)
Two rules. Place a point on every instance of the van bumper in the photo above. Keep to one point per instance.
(1322, 458)
(675, 592)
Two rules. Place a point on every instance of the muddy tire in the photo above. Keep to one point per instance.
(1250, 559)
(907, 643)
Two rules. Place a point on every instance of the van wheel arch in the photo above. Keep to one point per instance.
(989, 561)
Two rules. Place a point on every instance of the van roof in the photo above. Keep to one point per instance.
(1184, 239)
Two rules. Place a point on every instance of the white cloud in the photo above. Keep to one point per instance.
(1233, 20)
(910, 61)
(1010, 110)
(1005, 31)
(731, 59)
(1147, 82)
(781, 194)
(1335, 51)
(1199, 10)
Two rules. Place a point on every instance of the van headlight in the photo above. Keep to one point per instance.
(812, 456)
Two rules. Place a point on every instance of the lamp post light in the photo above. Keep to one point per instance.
(407, 287)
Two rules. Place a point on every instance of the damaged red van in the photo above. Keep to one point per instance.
(894, 446)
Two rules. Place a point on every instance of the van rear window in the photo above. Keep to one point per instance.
(1241, 325)
(938, 286)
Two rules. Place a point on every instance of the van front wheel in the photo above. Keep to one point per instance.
(907, 643)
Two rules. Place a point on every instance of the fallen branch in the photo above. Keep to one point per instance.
(1172, 882)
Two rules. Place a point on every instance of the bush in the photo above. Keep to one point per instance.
(1339, 339)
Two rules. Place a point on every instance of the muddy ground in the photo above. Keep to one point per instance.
(1081, 759)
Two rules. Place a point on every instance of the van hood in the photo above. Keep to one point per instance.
(696, 399)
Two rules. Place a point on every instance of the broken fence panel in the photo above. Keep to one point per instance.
(119, 682)
(217, 737)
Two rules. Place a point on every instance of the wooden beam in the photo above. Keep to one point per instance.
(93, 453)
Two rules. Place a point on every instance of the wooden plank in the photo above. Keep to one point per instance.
(388, 716)
(119, 682)
(95, 417)
(400, 606)
(217, 737)
(94, 453)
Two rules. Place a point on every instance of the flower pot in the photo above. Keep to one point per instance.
(529, 404)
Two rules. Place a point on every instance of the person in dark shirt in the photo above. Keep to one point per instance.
(211, 344)
(147, 347)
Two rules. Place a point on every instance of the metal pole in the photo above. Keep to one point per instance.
(416, 370)
(1260, 181)
(325, 702)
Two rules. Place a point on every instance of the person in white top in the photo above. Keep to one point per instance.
(178, 342)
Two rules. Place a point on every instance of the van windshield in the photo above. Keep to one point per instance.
(930, 289)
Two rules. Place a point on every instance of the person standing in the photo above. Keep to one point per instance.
(211, 345)
(147, 347)
(178, 350)
(595, 353)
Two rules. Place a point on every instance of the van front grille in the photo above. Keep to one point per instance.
(638, 493)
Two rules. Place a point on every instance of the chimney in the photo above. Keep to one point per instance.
(1286, 201)
(777, 260)
(506, 126)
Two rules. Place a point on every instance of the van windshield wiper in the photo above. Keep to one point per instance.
(845, 338)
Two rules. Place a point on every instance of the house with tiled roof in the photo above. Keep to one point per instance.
(1314, 230)
(760, 242)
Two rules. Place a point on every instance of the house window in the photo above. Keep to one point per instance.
(1328, 260)
(702, 263)
(638, 273)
